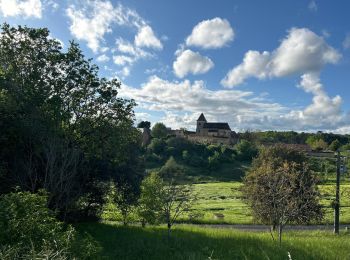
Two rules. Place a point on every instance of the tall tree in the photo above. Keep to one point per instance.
(280, 188)
(65, 128)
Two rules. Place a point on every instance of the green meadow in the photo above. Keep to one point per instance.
(225, 198)
(190, 242)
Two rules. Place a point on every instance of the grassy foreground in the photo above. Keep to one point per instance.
(189, 242)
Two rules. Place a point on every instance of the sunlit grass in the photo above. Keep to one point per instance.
(189, 242)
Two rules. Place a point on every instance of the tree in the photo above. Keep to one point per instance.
(335, 145)
(144, 124)
(280, 188)
(125, 200)
(316, 142)
(150, 201)
(159, 130)
(64, 128)
(157, 146)
(246, 150)
(163, 197)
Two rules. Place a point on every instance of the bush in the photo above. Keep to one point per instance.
(246, 150)
(29, 230)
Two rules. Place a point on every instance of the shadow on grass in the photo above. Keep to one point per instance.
(118, 242)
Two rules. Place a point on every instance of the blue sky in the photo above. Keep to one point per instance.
(259, 65)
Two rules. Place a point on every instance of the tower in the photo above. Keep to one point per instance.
(200, 123)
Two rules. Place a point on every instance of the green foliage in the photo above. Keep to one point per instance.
(157, 146)
(144, 124)
(159, 130)
(171, 170)
(28, 228)
(280, 188)
(125, 199)
(214, 160)
(335, 145)
(150, 202)
(317, 143)
(64, 129)
(246, 150)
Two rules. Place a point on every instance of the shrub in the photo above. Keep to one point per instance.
(29, 230)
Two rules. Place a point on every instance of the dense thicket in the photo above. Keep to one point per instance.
(63, 128)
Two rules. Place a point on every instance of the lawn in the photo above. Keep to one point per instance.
(225, 198)
(189, 242)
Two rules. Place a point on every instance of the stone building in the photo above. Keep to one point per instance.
(209, 133)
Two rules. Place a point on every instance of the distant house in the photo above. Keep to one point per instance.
(209, 133)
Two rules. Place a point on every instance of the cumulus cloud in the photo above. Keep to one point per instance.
(192, 98)
(122, 60)
(128, 54)
(183, 101)
(302, 51)
(91, 21)
(211, 34)
(103, 58)
(323, 109)
(191, 62)
(25, 8)
(147, 38)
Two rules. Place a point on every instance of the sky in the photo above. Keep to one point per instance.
(258, 65)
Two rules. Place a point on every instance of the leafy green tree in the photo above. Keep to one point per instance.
(159, 130)
(335, 145)
(150, 201)
(125, 200)
(65, 129)
(316, 142)
(157, 146)
(163, 197)
(246, 150)
(214, 160)
(280, 188)
(144, 124)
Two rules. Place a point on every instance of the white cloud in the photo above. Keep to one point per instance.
(179, 97)
(103, 58)
(92, 20)
(128, 48)
(191, 62)
(128, 54)
(323, 109)
(183, 101)
(346, 42)
(123, 73)
(302, 51)
(122, 60)
(91, 23)
(147, 38)
(211, 34)
(312, 6)
(25, 8)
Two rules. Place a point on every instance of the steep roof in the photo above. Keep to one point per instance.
(223, 126)
(202, 118)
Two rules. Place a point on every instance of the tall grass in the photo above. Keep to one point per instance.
(189, 242)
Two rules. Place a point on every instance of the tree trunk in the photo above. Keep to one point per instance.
(169, 230)
(280, 227)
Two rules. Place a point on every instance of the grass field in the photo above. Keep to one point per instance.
(188, 242)
(225, 198)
